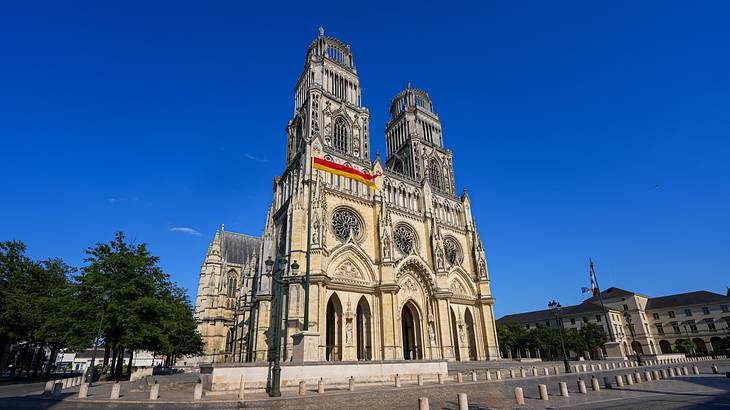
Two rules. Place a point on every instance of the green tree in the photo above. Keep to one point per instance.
(685, 346)
(593, 335)
(506, 339)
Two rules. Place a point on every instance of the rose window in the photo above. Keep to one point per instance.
(345, 221)
(405, 238)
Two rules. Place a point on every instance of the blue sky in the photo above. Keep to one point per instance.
(581, 129)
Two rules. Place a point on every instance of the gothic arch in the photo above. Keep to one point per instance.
(459, 279)
(347, 257)
(415, 265)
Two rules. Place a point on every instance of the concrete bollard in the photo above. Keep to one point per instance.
(685, 372)
(546, 371)
(522, 372)
(57, 387)
(511, 373)
(441, 378)
(637, 377)
(64, 383)
(582, 386)
(241, 388)
(534, 371)
(499, 374)
(595, 385)
(556, 370)
(463, 402)
(420, 380)
(671, 372)
(600, 366)
(198, 393)
(695, 370)
(593, 367)
(116, 387)
(155, 391)
(519, 396)
(630, 379)
(473, 375)
(302, 388)
(607, 382)
(585, 368)
(351, 383)
(575, 368)
(564, 389)
(647, 376)
(397, 380)
(619, 381)
(84, 391)
(423, 403)
(663, 373)
(48, 389)
(543, 391)
(714, 369)
(459, 377)
(320, 384)
(488, 375)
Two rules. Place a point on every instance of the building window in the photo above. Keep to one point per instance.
(344, 223)
(688, 312)
(341, 135)
(660, 328)
(626, 307)
(671, 314)
(711, 326)
(572, 321)
(724, 308)
(452, 251)
(598, 318)
(656, 316)
(435, 174)
(705, 311)
(675, 327)
(405, 238)
(693, 327)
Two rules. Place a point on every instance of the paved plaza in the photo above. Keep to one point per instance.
(706, 390)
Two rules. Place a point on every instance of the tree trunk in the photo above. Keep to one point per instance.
(129, 365)
(39, 359)
(114, 361)
(120, 363)
(51, 359)
(106, 356)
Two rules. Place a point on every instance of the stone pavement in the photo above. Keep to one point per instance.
(177, 392)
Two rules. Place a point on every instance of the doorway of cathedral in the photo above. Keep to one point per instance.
(410, 321)
(363, 322)
(470, 334)
(334, 329)
(455, 336)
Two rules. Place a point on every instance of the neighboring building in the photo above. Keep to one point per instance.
(396, 273)
(80, 361)
(657, 322)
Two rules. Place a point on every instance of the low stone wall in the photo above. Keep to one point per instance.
(226, 377)
(140, 373)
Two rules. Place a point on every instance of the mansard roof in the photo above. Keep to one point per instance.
(686, 299)
(239, 248)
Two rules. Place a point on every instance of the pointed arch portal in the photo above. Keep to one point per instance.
(334, 329)
(364, 336)
(411, 329)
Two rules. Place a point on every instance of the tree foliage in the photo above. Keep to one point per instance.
(547, 341)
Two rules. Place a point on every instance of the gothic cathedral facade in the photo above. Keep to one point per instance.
(396, 273)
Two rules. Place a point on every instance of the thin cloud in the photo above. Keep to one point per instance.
(185, 230)
(255, 158)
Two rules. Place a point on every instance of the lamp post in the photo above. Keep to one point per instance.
(630, 324)
(279, 280)
(555, 307)
(91, 371)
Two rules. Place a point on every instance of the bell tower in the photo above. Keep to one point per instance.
(414, 141)
(328, 105)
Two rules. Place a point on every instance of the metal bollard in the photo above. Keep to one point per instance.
(441, 378)
(519, 396)
(320, 384)
(473, 375)
(459, 377)
(397, 380)
(564, 389)
(115, 391)
(630, 379)
(351, 383)
(198, 393)
(543, 391)
(420, 380)
(595, 385)
(302, 388)
(84, 391)
(155, 391)
(241, 389)
(582, 386)
(423, 403)
(463, 403)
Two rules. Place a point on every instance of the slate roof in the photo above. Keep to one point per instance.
(612, 292)
(584, 308)
(685, 299)
(239, 248)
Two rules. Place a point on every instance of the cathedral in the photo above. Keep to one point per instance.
(396, 273)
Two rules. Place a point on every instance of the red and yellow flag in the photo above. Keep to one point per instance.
(346, 172)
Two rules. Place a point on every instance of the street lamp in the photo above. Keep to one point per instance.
(91, 371)
(627, 317)
(555, 307)
(279, 281)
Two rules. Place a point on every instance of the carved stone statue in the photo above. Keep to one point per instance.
(348, 332)
(431, 334)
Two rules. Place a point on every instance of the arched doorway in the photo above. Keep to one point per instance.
(665, 347)
(636, 347)
(455, 336)
(700, 345)
(410, 326)
(470, 334)
(334, 329)
(716, 343)
(363, 322)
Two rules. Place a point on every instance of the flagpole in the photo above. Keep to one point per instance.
(309, 243)
(600, 297)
